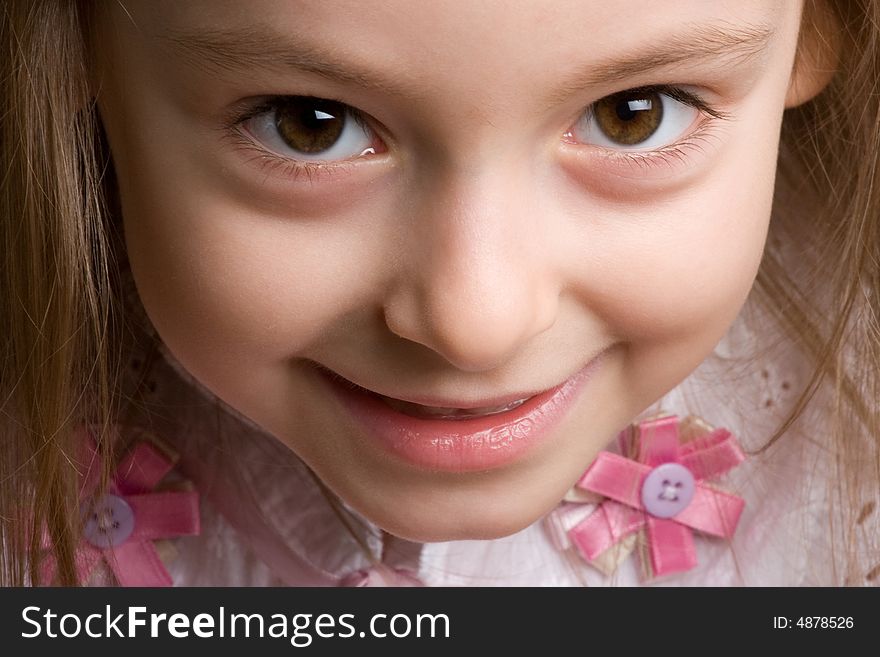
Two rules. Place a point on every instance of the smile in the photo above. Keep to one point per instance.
(456, 439)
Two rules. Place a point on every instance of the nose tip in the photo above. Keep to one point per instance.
(476, 278)
(475, 325)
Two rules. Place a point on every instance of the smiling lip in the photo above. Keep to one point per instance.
(463, 444)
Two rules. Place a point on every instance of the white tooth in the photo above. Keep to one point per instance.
(432, 410)
(435, 411)
(495, 409)
(411, 409)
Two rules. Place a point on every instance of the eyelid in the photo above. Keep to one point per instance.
(682, 95)
(634, 162)
(706, 116)
(676, 93)
(234, 121)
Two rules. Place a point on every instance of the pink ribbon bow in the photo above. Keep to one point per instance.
(640, 493)
(121, 525)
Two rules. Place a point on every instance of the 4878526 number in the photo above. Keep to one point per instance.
(824, 622)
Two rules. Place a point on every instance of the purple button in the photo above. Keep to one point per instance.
(668, 489)
(109, 521)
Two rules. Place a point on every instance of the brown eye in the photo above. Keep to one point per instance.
(630, 117)
(310, 125)
(642, 119)
(311, 129)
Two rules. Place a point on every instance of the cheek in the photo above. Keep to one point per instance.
(677, 277)
(697, 271)
(233, 293)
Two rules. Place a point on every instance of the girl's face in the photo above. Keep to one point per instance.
(460, 203)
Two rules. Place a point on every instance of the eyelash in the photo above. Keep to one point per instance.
(272, 162)
(677, 151)
(667, 155)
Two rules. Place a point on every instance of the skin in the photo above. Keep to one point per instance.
(478, 252)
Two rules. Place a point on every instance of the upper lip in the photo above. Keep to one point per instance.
(485, 402)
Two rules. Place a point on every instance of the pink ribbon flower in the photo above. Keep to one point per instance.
(121, 525)
(663, 491)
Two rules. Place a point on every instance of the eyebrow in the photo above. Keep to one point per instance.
(249, 48)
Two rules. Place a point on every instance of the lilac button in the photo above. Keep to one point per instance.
(109, 521)
(668, 489)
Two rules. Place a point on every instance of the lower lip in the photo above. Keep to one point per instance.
(474, 444)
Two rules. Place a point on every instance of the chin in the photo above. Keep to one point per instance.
(434, 533)
(457, 524)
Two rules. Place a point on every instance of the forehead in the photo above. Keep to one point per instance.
(443, 42)
(423, 24)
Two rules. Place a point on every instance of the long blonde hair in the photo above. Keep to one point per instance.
(59, 339)
(829, 160)
(64, 331)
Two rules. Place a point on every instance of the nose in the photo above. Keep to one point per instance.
(475, 281)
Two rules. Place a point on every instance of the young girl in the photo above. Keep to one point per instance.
(334, 293)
